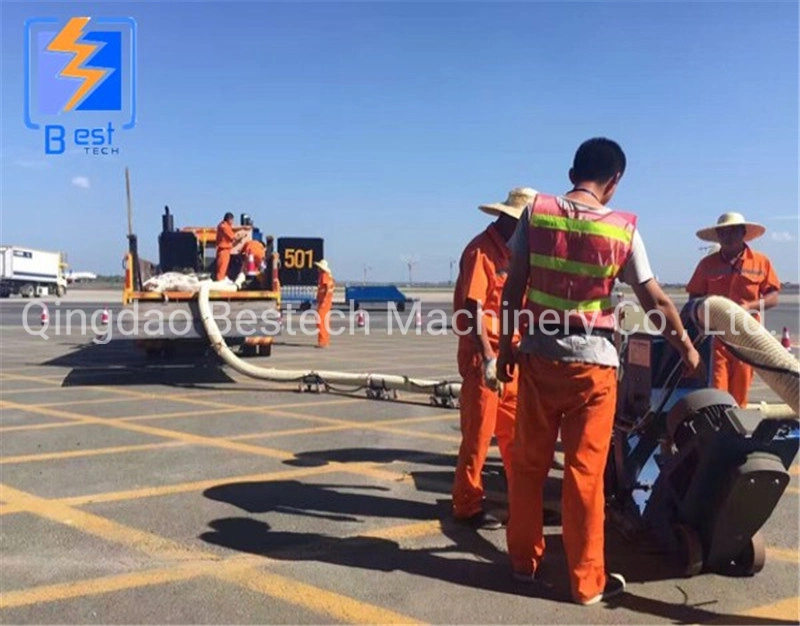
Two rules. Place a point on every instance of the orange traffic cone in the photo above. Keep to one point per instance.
(360, 321)
(251, 270)
(44, 317)
(786, 340)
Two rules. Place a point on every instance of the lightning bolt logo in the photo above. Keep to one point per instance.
(67, 41)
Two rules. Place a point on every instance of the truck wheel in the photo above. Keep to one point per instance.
(691, 550)
(753, 557)
(27, 290)
(61, 291)
(401, 306)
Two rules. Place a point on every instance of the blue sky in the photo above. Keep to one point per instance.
(382, 126)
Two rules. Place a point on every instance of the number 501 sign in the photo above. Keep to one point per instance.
(298, 255)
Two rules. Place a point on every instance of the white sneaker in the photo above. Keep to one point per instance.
(615, 585)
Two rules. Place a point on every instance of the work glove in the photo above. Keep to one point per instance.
(490, 374)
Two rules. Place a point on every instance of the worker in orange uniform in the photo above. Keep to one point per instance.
(325, 288)
(746, 277)
(567, 252)
(226, 239)
(487, 408)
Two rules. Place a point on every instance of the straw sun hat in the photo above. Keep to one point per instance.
(752, 230)
(514, 205)
(323, 265)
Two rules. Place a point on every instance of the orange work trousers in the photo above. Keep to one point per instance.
(483, 413)
(223, 261)
(580, 400)
(323, 331)
(730, 374)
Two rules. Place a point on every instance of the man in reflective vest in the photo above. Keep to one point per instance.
(486, 407)
(746, 277)
(566, 254)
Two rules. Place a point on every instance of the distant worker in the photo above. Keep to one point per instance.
(742, 275)
(257, 249)
(487, 407)
(325, 289)
(226, 239)
(566, 254)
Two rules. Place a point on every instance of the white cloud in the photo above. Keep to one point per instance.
(782, 236)
(81, 181)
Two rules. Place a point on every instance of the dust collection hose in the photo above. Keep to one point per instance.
(439, 389)
(748, 340)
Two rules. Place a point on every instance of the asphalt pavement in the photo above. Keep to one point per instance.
(177, 491)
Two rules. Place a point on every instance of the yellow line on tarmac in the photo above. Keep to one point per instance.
(148, 543)
(794, 490)
(72, 454)
(136, 418)
(200, 485)
(784, 554)
(794, 470)
(8, 429)
(788, 610)
(50, 456)
(196, 563)
(340, 607)
(200, 440)
(105, 584)
(158, 432)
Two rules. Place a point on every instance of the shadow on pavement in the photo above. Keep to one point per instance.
(120, 362)
(453, 563)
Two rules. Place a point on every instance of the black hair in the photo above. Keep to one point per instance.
(598, 160)
(228, 216)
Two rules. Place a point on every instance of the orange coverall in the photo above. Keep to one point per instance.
(580, 399)
(749, 278)
(225, 240)
(257, 249)
(325, 287)
(482, 276)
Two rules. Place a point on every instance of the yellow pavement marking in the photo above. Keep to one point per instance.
(794, 490)
(136, 418)
(200, 440)
(158, 432)
(50, 456)
(340, 607)
(148, 543)
(788, 609)
(106, 584)
(240, 571)
(784, 554)
(200, 485)
(794, 470)
(72, 454)
(8, 429)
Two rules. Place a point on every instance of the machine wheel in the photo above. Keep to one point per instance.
(61, 291)
(401, 306)
(753, 557)
(691, 550)
(27, 290)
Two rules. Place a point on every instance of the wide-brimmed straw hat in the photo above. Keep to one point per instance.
(323, 265)
(514, 205)
(752, 230)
